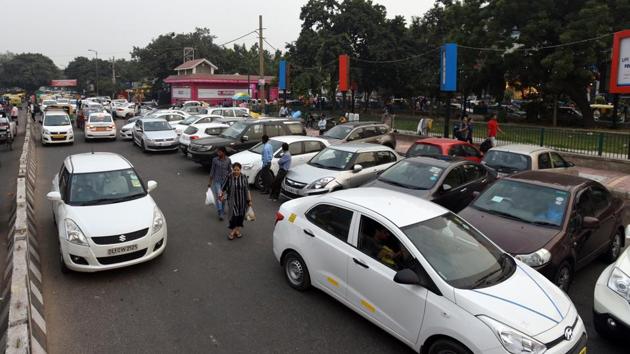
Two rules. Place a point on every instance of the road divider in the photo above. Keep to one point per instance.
(22, 322)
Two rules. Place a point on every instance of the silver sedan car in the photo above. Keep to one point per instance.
(155, 134)
(338, 167)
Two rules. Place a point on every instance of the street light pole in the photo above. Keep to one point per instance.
(96, 56)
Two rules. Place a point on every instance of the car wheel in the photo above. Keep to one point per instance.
(258, 181)
(296, 272)
(446, 346)
(62, 264)
(564, 276)
(142, 146)
(614, 249)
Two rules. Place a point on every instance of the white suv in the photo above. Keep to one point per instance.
(56, 128)
(104, 214)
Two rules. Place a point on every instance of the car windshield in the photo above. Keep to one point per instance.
(339, 132)
(235, 130)
(275, 146)
(462, 256)
(507, 161)
(62, 101)
(156, 126)
(105, 187)
(190, 120)
(101, 119)
(411, 174)
(332, 159)
(56, 120)
(421, 149)
(526, 202)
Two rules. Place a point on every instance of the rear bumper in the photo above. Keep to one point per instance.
(110, 134)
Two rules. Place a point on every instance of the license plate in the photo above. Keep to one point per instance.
(58, 136)
(121, 250)
(290, 190)
(101, 129)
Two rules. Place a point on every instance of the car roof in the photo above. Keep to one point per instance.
(293, 138)
(521, 148)
(56, 112)
(438, 161)
(96, 162)
(360, 147)
(441, 141)
(550, 179)
(360, 124)
(400, 208)
(99, 114)
(146, 120)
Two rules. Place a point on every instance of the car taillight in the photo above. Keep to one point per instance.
(279, 217)
(120, 109)
(112, 126)
(194, 137)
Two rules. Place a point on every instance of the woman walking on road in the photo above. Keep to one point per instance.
(236, 191)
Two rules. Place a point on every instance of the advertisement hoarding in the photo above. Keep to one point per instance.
(63, 83)
(344, 73)
(448, 68)
(181, 92)
(620, 68)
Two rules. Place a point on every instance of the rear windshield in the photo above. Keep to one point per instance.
(421, 149)
(190, 130)
(504, 161)
(101, 119)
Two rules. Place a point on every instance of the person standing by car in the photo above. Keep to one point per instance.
(322, 125)
(14, 114)
(219, 172)
(284, 164)
(493, 129)
(236, 190)
(469, 132)
(267, 156)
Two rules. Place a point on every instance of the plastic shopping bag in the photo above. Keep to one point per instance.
(209, 197)
(250, 216)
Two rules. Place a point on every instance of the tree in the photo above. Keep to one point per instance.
(28, 71)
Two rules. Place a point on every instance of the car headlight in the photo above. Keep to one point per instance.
(205, 147)
(619, 282)
(321, 183)
(150, 140)
(248, 166)
(74, 233)
(158, 221)
(512, 340)
(536, 259)
(46, 131)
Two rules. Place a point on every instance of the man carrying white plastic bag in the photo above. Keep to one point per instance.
(221, 167)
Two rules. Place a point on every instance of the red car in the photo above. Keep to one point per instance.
(445, 147)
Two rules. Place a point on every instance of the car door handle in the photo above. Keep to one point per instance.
(463, 190)
(309, 232)
(360, 263)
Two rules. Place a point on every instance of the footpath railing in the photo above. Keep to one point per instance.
(579, 141)
(22, 324)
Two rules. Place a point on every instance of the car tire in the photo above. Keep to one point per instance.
(564, 276)
(296, 272)
(446, 346)
(258, 182)
(143, 147)
(614, 249)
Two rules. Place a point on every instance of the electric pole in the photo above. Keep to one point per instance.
(261, 63)
(96, 65)
(113, 77)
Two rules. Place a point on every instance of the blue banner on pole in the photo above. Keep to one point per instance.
(448, 67)
(282, 75)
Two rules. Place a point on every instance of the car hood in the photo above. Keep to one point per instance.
(215, 141)
(332, 141)
(120, 218)
(308, 174)
(527, 302)
(128, 126)
(58, 128)
(421, 193)
(246, 157)
(513, 236)
(161, 134)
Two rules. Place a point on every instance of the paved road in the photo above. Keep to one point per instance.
(9, 163)
(205, 293)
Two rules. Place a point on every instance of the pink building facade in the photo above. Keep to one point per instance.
(216, 89)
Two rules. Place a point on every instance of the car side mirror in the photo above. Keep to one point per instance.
(151, 186)
(244, 138)
(590, 222)
(446, 187)
(357, 168)
(54, 196)
(408, 277)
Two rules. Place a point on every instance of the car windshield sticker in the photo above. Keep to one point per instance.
(497, 199)
(435, 170)
(433, 178)
(135, 183)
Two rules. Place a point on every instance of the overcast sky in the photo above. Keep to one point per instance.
(64, 29)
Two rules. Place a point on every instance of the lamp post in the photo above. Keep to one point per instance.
(96, 57)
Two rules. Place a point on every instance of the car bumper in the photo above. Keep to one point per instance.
(122, 114)
(57, 138)
(108, 134)
(170, 146)
(97, 258)
(609, 305)
(204, 158)
(125, 134)
(293, 193)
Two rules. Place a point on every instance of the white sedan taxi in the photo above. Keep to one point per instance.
(611, 304)
(100, 126)
(422, 274)
(89, 192)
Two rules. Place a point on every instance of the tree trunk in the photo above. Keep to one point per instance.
(579, 96)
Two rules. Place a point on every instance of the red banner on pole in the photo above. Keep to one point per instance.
(63, 83)
(620, 68)
(344, 73)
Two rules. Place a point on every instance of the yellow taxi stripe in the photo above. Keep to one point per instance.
(368, 306)
(333, 282)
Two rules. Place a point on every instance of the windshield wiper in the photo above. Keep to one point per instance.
(113, 200)
(504, 214)
(484, 280)
(316, 164)
(544, 223)
(389, 181)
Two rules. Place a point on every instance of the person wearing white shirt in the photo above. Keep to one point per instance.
(322, 125)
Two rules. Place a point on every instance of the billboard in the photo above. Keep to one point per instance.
(448, 67)
(63, 83)
(344, 73)
(223, 93)
(620, 68)
(282, 75)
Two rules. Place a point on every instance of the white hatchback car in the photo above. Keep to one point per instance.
(422, 274)
(611, 309)
(302, 149)
(195, 119)
(89, 192)
(56, 128)
(100, 126)
(199, 131)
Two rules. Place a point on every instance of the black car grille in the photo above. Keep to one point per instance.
(561, 339)
(112, 240)
(122, 258)
(58, 138)
(294, 184)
